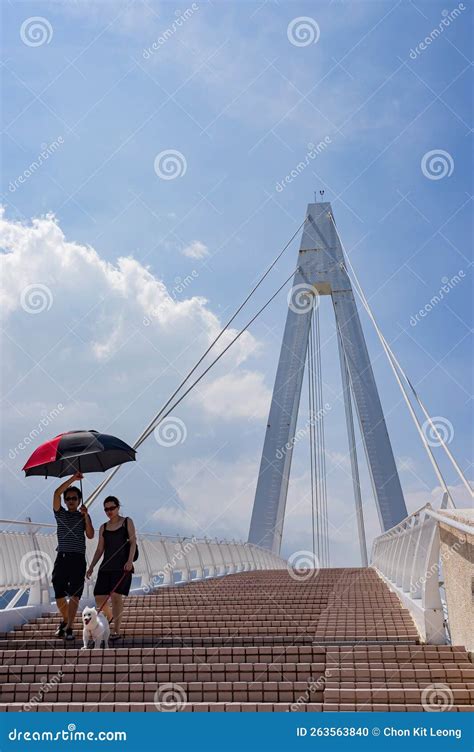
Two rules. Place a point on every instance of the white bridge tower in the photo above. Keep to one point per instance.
(322, 271)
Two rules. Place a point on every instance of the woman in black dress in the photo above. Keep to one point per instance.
(117, 543)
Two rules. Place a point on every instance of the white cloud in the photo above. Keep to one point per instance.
(110, 344)
(417, 498)
(196, 250)
(216, 498)
(241, 394)
(105, 340)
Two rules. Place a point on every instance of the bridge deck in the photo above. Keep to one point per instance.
(260, 641)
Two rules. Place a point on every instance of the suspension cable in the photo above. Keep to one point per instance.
(321, 440)
(394, 364)
(311, 441)
(152, 427)
(316, 448)
(319, 506)
(219, 356)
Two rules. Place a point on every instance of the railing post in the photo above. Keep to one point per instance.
(200, 569)
(253, 564)
(212, 568)
(39, 590)
(219, 548)
(168, 569)
(186, 572)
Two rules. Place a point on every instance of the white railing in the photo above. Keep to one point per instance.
(407, 557)
(27, 557)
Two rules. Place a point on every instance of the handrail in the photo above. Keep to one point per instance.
(391, 532)
(407, 558)
(27, 556)
(27, 522)
(469, 529)
(158, 535)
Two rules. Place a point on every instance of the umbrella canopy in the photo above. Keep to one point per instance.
(78, 451)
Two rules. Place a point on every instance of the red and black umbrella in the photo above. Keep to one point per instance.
(78, 452)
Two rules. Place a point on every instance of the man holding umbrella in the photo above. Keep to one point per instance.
(69, 570)
(75, 452)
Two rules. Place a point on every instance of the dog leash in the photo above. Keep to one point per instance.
(112, 591)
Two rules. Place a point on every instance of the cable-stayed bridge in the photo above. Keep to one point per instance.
(227, 625)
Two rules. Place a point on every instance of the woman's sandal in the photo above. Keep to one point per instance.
(115, 636)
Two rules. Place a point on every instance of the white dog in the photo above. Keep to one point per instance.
(96, 627)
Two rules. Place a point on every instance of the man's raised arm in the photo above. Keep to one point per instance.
(60, 490)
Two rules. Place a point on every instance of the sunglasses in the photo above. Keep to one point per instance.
(71, 498)
(110, 509)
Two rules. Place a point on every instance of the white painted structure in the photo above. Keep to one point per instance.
(408, 559)
(27, 558)
(322, 271)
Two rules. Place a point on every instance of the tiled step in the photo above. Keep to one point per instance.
(225, 707)
(336, 658)
(221, 691)
(160, 656)
(149, 707)
(260, 642)
(459, 694)
(190, 691)
(171, 672)
(188, 641)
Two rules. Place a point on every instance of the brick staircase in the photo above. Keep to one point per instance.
(256, 641)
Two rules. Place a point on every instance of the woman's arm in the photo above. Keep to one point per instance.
(98, 552)
(133, 544)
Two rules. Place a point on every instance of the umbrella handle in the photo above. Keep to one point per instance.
(80, 480)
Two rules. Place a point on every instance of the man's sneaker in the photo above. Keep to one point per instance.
(60, 630)
(69, 634)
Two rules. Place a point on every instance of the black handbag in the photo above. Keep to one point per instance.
(136, 554)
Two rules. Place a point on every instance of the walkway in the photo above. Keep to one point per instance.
(256, 641)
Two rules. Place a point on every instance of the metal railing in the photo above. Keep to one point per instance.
(407, 557)
(27, 557)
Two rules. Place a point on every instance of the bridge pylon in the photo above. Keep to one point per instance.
(321, 271)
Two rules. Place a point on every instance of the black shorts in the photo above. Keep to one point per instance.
(68, 575)
(106, 582)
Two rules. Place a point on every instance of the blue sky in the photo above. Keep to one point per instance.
(230, 91)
